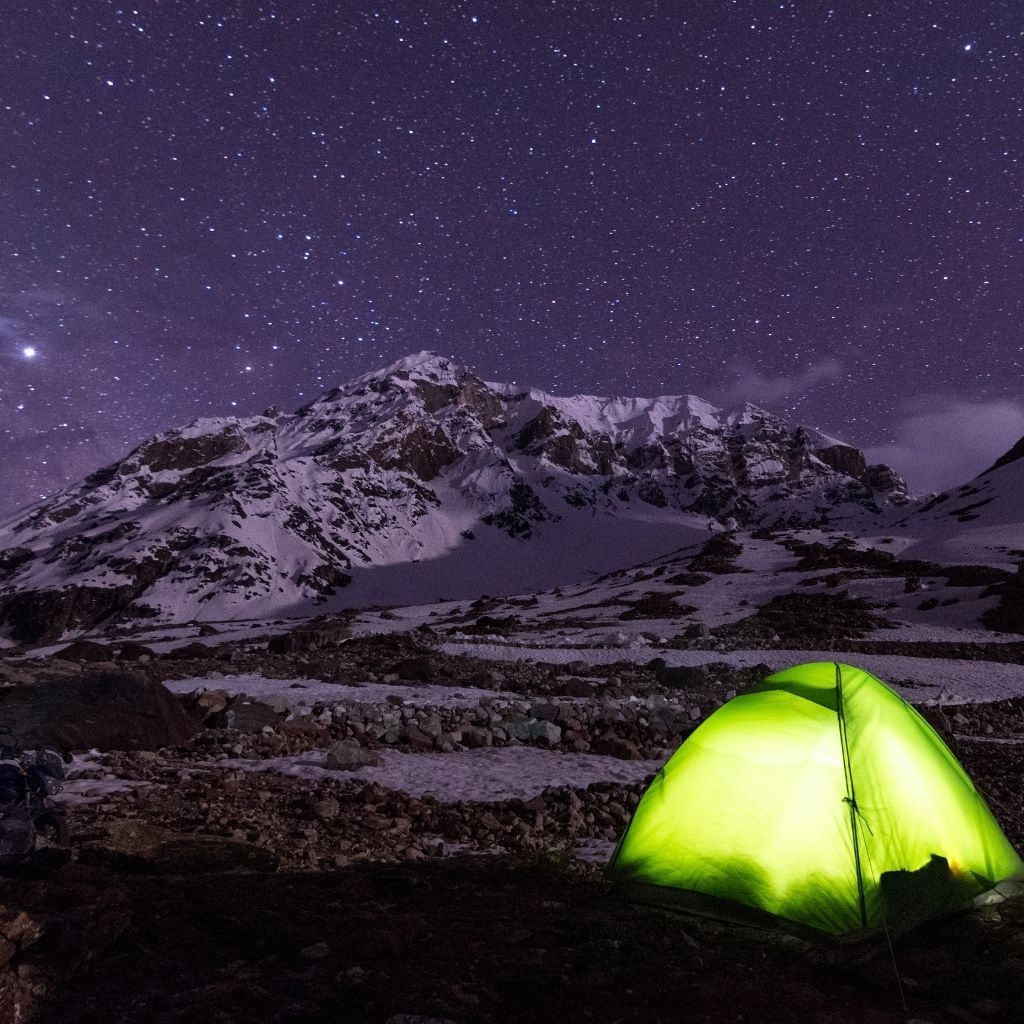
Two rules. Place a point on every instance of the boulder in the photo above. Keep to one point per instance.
(415, 670)
(85, 650)
(297, 642)
(518, 729)
(134, 651)
(316, 635)
(431, 725)
(546, 711)
(209, 702)
(615, 746)
(326, 809)
(416, 737)
(577, 687)
(303, 729)
(546, 733)
(473, 736)
(684, 676)
(532, 730)
(345, 755)
(318, 951)
(486, 680)
(246, 715)
(190, 651)
(138, 846)
(492, 624)
(112, 710)
(618, 639)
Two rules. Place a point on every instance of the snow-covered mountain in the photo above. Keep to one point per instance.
(417, 480)
(980, 521)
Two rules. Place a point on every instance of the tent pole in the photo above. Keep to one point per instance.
(851, 797)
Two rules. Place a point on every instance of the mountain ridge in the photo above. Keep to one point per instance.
(415, 462)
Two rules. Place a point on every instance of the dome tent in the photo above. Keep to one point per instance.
(819, 796)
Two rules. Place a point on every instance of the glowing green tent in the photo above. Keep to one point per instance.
(822, 797)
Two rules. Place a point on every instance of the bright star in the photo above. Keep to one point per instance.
(967, 46)
(28, 352)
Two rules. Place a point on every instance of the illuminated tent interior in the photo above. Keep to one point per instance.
(819, 796)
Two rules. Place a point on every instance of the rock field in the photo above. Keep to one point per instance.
(403, 817)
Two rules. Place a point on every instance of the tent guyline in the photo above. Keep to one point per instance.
(760, 806)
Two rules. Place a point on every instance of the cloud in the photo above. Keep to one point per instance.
(754, 386)
(941, 442)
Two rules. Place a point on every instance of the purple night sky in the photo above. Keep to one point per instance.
(209, 207)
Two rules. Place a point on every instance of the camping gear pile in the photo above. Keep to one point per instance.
(28, 780)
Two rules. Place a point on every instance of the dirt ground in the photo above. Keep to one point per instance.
(470, 940)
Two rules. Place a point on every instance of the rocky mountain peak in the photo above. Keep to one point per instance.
(424, 364)
(418, 463)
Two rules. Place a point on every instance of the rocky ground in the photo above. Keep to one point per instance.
(242, 851)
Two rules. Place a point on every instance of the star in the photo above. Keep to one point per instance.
(667, 182)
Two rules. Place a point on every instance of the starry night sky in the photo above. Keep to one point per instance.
(212, 206)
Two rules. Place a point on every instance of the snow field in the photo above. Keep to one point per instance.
(949, 680)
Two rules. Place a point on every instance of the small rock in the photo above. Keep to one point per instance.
(618, 639)
(415, 670)
(416, 1018)
(615, 746)
(133, 651)
(326, 809)
(684, 675)
(577, 687)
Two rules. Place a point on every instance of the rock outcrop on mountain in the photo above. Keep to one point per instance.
(263, 515)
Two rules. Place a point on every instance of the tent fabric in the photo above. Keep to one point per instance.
(821, 797)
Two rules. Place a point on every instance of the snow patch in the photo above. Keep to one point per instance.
(485, 775)
(966, 680)
(309, 691)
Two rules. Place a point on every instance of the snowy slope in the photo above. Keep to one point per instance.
(980, 521)
(416, 481)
